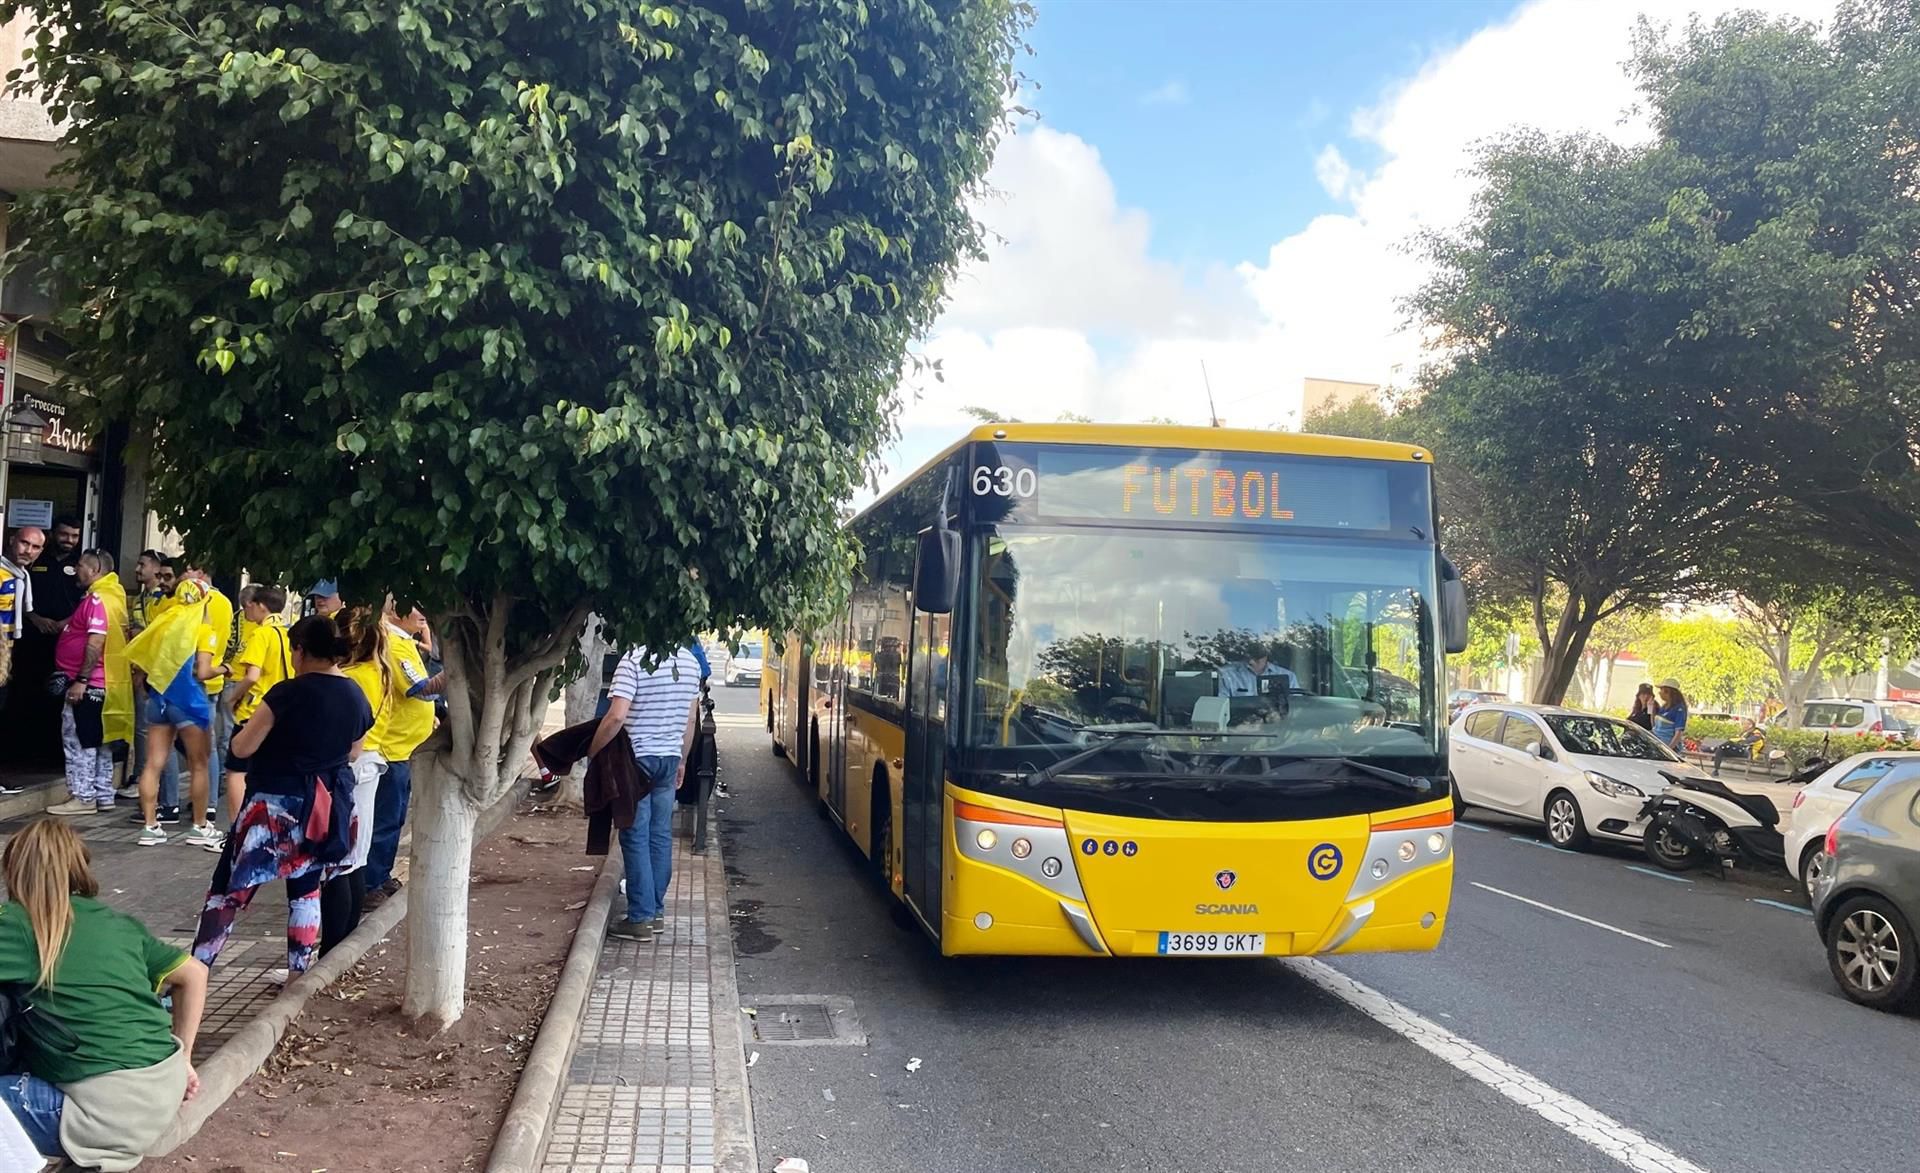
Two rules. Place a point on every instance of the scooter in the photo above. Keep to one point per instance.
(1695, 820)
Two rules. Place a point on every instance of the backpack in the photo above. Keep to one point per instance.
(21, 1022)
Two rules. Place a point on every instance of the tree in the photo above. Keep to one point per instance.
(1803, 631)
(1611, 638)
(1710, 660)
(1578, 474)
(1797, 153)
(1363, 419)
(524, 312)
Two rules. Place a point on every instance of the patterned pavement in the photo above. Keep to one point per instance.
(639, 1096)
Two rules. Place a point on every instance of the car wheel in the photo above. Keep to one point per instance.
(1565, 828)
(1814, 862)
(1870, 950)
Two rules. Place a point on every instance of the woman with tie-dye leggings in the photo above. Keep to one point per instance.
(299, 801)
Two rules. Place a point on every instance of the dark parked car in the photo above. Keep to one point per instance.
(1866, 904)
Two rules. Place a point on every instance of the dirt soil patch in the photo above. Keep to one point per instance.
(354, 1088)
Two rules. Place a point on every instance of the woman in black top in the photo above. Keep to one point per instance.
(299, 794)
(1642, 713)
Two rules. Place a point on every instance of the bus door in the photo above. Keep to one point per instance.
(833, 732)
(923, 789)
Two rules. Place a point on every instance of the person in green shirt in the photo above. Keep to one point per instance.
(106, 1064)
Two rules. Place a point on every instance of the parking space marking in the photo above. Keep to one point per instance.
(1574, 1117)
(1778, 904)
(1532, 842)
(1471, 826)
(1634, 867)
(1585, 920)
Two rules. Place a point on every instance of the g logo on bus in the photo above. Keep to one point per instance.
(1225, 879)
(1323, 862)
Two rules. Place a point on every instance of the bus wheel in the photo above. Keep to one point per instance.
(779, 751)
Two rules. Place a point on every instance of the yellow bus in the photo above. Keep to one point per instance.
(1107, 690)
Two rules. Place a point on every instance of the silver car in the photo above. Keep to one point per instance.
(1866, 903)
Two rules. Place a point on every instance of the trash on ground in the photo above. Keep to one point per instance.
(913, 1065)
(753, 1058)
(826, 1093)
(791, 1165)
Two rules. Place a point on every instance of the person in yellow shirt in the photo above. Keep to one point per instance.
(264, 660)
(216, 639)
(410, 692)
(344, 895)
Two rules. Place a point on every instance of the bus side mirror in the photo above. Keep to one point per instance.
(1453, 615)
(936, 577)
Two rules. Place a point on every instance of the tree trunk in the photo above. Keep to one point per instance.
(1560, 654)
(442, 860)
(581, 699)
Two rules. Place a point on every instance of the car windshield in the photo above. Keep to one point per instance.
(1225, 643)
(1604, 737)
(1902, 716)
(749, 651)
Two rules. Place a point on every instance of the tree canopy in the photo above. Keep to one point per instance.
(522, 311)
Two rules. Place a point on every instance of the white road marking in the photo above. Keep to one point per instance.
(1574, 1117)
(1470, 826)
(1569, 915)
(1634, 867)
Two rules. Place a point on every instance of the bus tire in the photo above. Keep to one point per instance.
(773, 739)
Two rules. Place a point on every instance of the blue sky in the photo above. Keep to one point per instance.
(1209, 113)
(1235, 184)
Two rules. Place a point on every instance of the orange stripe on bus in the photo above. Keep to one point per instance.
(1436, 819)
(986, 814)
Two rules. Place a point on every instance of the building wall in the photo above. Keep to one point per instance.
(1322, 394)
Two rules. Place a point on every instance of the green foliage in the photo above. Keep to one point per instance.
(1362, 419)
(1714, 665)
(1795, 161)
(544, 307)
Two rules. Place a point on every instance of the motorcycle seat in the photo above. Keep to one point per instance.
(1756, 805)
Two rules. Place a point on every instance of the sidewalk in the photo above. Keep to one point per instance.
(657, 1081)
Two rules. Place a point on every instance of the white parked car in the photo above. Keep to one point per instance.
(1581, 774)
(744, 668)
(1826, 798)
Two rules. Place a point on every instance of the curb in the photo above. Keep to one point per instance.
(522, 1138)
(733, 1140)
(241, 1056)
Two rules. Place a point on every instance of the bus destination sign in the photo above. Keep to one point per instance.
(1188, 488)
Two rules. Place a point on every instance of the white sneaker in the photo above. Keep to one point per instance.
(216, 845)
(152, 836)
(74, 807)
(278, 977)
(201, 833)
(131, 790)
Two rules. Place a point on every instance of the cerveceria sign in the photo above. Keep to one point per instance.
(59, 434)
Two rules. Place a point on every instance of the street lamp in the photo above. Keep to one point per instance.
(25, 426)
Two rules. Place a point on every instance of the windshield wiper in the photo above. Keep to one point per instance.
(1046, 774)
(1379, 773)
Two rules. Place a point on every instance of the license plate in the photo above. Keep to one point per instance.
(1212, 944)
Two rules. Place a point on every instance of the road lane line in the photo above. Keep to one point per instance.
(1530, 841)
(1778, 904)
(1574, 1117)
(1471, 826)
(1634, 867)
(1569, 915)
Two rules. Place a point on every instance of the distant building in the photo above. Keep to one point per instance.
(1325, 394)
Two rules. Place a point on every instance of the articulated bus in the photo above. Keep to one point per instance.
(1109, 690)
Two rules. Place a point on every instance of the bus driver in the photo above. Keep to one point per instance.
(1243, 677)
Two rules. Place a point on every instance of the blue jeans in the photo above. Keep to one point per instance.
(646, 848)
(37, 1105)
(169, 773)
(389, 815)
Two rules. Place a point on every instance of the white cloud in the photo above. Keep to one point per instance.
(1333, 171)
(1072, 313)
(1172, 92)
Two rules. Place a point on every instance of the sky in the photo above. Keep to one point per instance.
(1234, 183)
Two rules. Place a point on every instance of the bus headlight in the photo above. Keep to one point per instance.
(1022, 848)
(1379, 869)
(1436, 843)
(1049, 867)
(986, 838)
(1407, 851)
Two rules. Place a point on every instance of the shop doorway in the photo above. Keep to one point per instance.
(65, 491)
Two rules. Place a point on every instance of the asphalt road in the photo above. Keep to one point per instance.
(1728, 1046)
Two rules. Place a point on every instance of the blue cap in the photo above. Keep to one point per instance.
(323, 588)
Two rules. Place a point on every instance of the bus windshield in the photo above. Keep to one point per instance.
(1203, 643)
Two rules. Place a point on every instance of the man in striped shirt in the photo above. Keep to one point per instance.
(657, 706)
